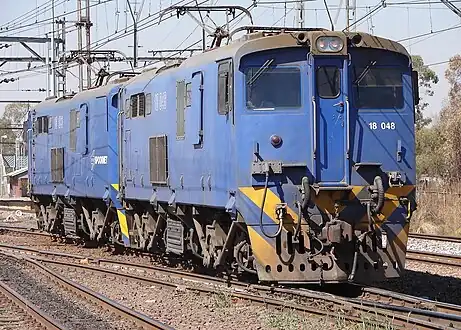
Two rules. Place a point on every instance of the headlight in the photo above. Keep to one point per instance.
(329, 44)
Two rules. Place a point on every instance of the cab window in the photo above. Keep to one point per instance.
(328, 82)
(272, 88)
(377, 88)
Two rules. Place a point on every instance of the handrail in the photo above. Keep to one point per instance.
(347, 129)
(314, 110)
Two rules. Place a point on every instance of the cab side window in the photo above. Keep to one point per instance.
(225, 87)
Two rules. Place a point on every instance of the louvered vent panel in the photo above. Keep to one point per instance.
(57, 164)
(158, 158)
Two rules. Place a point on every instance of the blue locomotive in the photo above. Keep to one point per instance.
(287, 153)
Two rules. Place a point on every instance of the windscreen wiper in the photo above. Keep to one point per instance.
(261, 70)
(364, 72)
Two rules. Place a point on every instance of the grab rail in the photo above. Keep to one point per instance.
(314, 110)
(347, 129)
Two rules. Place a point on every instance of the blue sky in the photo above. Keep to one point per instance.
(400, 19)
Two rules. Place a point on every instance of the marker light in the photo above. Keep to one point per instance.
(329, 44)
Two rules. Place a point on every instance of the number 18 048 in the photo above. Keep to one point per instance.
(383, 125)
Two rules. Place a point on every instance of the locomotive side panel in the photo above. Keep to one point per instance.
(185, 111)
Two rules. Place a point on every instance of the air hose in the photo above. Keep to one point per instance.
(261, 214)
(371, 229)
(379, 188)
(354, 264)
(320, 250)
(303, 206)
(298, 225)
(306, 193)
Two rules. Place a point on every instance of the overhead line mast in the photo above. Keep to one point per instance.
(85, 59)
(300, 15)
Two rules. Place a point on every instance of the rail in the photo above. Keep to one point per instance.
(401, 309)
(435, 237)
(434, 258)
(140, 319)
(30, 309)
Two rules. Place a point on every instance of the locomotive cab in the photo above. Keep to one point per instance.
(325, 132)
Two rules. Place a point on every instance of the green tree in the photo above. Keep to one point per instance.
(14, 116)
(450, 117)
(427, 78)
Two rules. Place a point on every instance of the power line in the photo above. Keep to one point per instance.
(27, 14)
(437, 63)
(430, 33)
(49, 20)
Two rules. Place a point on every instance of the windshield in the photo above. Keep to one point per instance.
(377, 87)
(269, 88)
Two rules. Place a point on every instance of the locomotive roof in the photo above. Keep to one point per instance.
(249, 43)
(84, 95)
(259, 41)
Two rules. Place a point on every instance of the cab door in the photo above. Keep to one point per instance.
(330, 121)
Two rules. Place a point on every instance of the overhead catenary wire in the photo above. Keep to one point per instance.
(154, 17)
(31, 13)
(20, 25)
(45, 21)
(455, 27)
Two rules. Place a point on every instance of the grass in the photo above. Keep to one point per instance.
(292, 320)
(439, 209)
(222, 299)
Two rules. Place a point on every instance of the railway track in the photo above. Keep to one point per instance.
(404, 311)
(413, 255)
(24, 314)
(441, 238)
(141, 320)
(435, 258)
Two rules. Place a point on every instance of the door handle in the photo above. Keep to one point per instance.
(340, 106)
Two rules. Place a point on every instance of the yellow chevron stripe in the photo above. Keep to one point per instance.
(262, 250)
(256, 196)
(116, 186)
(123, 223)
(325, 201)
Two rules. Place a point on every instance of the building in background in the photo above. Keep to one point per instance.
(18, 182)
(13, 171)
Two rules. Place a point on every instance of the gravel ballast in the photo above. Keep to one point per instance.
(189, 310)
(71, 311)
(418, 244)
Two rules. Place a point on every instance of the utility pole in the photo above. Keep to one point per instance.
(53, 52)
(79, 44)
(85, 59)
(135, 35)
(47, 64)
(300, 16)
(350, 13)
(62, 81)
(88, 44)
(347, 15)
